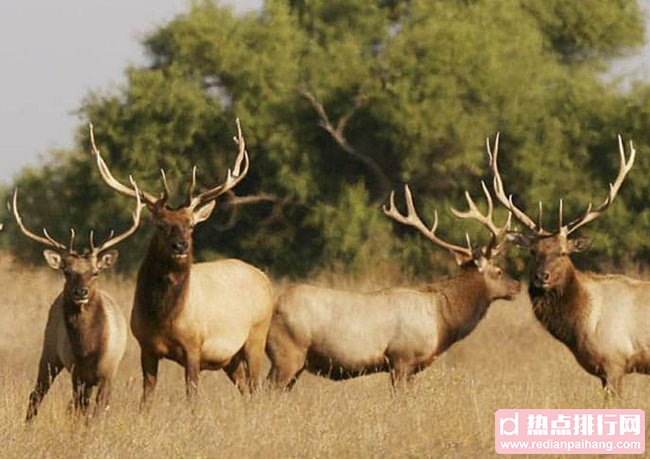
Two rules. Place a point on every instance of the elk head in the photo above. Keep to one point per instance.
(498, 284)
(551, 264)
(80, 269)
(175, 226)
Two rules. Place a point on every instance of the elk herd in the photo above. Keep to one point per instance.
(225, 315)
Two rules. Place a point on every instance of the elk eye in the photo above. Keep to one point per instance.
(96, 273)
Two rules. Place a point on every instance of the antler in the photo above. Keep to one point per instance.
(47, 240)
(501, 195)
(590, 215)
(111, 181)
(114, 240)
(487, 219)
(51, 242)
(412, 219)
(232, 179)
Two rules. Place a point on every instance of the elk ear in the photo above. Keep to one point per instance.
(579, 244)
(204, 212)
(53, 258)
(107, 259)
(520, 240)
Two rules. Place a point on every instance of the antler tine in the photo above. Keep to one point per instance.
(241, 154)
(114, 240)
(108, 177)
(233, 177)
(624, 168)
(72, 236)
(47, 240)
(487, 219)
(488, 198)
(52, 240)
(499, 190)
(473, 212)
(412, 219)
(560, 215)
(166, 191)
(190, 190)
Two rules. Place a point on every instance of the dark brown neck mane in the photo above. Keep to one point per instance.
(84, 324)
(561, 309)
(464, 302)
(163, 283)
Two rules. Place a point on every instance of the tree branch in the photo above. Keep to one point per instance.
(338, 135)
(235, 202)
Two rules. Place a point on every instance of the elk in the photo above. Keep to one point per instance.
(340, 334)
(85, 331)
(213, 315)
(602, 319)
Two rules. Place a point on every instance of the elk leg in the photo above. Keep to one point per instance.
(401, 373)
(103, 396)
(192, 370)
(81, 393)
(254, 353)
(286, 366)
(47, 371)
(149, 364)
(613, 384)
(236, 371)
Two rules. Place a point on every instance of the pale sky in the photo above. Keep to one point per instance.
(52, 52)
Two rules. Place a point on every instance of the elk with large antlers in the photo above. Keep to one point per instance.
(86, 331)
(212, 315)
(340, 334)
(602, 319)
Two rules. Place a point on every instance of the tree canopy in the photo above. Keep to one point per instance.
(343, 100)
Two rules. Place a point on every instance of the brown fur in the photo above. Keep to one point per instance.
(85, 334)
(169, 323)
(340, 334)
(600, 318)
(204, 316)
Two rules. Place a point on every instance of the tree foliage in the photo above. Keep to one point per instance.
(343, 100)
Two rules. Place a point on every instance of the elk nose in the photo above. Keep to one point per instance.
(542, 276)
(81, 292)
(179, 246)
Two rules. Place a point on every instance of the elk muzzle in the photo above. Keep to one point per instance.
(541, 278)
(81, 295)
(180, 249)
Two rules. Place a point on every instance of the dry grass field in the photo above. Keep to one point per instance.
(508, 362)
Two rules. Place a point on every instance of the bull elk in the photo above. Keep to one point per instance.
(211, 315)
(340, 334)
(86, 331)
(602, 319)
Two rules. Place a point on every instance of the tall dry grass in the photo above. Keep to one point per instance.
(509, 361)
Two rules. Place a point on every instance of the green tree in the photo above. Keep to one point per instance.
(343, 100)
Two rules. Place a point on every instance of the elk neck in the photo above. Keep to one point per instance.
(562, 308)
(163, 282)
(85, 325)
(463, 302)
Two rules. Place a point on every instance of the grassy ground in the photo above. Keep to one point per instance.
(508, 362)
